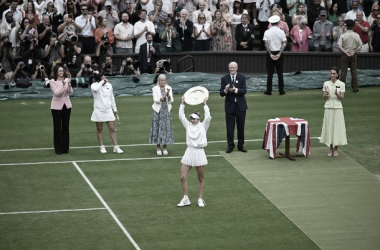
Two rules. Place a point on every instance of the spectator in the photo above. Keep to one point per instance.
(86, 35)
(245, 34)
(374, 39)
(334, 14)
(56, 18)
(73, 49)
(87, 68)
(104, 34)
(141, 28)
(177, 13)
(202, 34)
(27, 34)
(39, 7)
(149, 54)
(59, 6)
(190, 6)
(123, 33)
(110, 15)
(300, 35)
(169, 6)
(7, 25)
(226, 16)
(184, 28)
(250, 5)
(108, 68)
(45, 31)
(218, 32)
(133, 17)
(71, 9)
(350, 43)
(281, 24)
(32, 53)
(264, 9)
(169, 38)
(362, 27)
(53, 52)
(157, 17)
(6, 57)
(352, 13)
(337, 32)
(102, 50)
(293, 5)
(237, 13)
(94, 4)
(69, 25)
(276, 9)
(313, 13)
(372, 17)
(17, 15)
(30, 13)
(128, 67)
(202, 9)
(322, 33)
(147, 5)
(299, 14)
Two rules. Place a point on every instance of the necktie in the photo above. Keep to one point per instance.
(233, 79)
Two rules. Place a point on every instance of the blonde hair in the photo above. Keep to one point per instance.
(225, 4)
(161, 76)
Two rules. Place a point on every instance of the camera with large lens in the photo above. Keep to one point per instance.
(42, 67)
(73, 38)
(104, 39)
(8, 44)
(87, 65)
(108, 66)
(128, 62)
(58, 44)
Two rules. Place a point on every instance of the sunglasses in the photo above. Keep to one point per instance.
(201, 18)
(222, 5)
(375, 10)
(84, 9)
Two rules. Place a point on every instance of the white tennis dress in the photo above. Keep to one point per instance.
(104, 102)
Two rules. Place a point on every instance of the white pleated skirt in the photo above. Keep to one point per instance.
(333, 129)
(104, 115)
(194, 157)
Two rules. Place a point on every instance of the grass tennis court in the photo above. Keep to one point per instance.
(85, 200)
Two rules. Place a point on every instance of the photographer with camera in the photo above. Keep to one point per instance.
(6, 57)
(28, 35)
(87, 68)
(108, 68)
(73, 50)
(129, 67)
(69, 25)
(169, 38)
(53, 51)
(39, 72)
(45, 31)
(110, 15)
(163, 67)
(22, 71)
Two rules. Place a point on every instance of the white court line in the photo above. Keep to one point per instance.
(106, 206)
(105, 160)
(55, 211)
(127, 145)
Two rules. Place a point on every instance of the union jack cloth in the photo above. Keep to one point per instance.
(278, 128)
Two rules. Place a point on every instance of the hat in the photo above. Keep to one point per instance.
(178, 9)
(195, 116)
(108, 3)
(274, 19)
(323, 13)
(349, 22)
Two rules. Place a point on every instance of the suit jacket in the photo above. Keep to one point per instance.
(247, 37)
(156, 91)
(60, 94)
(143, 57)
(229, 102)
(187, 41)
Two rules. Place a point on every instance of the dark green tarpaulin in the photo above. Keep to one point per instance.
(124, 86)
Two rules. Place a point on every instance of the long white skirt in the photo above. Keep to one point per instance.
(333, 129)
(103, 115)
(194, 157)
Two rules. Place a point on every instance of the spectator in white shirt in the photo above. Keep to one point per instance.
(123, 33)
(202, 9)
(140, 29)
(86, 37)
(17, 15)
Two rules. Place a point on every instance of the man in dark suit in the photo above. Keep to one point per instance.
(184, 28)
(244, 34)
(149, 54)
(233, 87)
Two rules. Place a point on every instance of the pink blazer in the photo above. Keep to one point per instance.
(60, 94)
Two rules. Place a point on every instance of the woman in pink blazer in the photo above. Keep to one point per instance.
(61, 109)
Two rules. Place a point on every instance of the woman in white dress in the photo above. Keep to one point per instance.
(196, 140)
(333, 129)
(104, 110)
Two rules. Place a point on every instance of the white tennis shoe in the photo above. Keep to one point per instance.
(184, 202)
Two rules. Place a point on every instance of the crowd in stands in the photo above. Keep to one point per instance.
(45, 33)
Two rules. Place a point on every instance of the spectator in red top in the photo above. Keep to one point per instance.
(362, 27)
